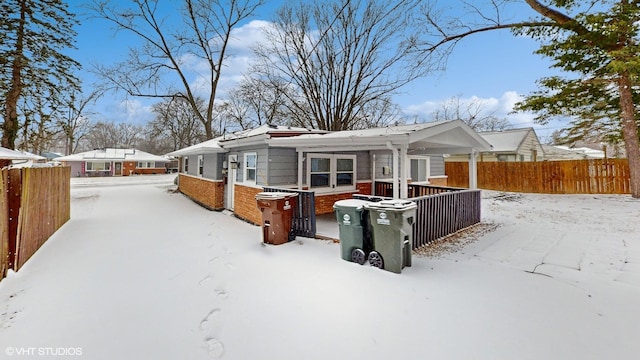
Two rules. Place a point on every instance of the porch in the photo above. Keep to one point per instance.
(441, 211)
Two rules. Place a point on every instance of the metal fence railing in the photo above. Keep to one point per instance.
(304, 217)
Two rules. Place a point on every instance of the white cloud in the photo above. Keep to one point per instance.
(501, 107)
(134, 111)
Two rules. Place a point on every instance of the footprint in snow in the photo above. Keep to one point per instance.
(215, 348)
(206, 323)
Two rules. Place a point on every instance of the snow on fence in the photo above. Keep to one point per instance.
(598, 176)
(34, 203)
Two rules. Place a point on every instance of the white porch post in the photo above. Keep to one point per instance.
(300, 169)
(404, 187)
(473, 169)
(394, 151)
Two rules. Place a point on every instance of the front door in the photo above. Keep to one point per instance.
(117, 169)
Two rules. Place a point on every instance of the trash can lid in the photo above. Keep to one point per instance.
(392, 205)
(274, 195)
(351, 203)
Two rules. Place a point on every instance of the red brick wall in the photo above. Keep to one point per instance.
(245, 205)
(324, 203)
(208, 193)
(128, 167)
(149, 171)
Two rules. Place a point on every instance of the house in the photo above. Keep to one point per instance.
(508, 145)
(11, 157)
(227, 172)
(114, 162)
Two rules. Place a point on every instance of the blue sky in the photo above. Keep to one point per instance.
(495, 68)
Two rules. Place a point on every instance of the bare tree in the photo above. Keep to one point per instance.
(203, 35)
(112, 135)
(75, 124)
(176, 122)
(594, 42)
(473, 112)
(333, 59)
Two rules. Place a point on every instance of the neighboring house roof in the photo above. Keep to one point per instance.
(8, 154)
(435, 137)
(584, 152)
(113, 155)
(506, 141)
(559, 153)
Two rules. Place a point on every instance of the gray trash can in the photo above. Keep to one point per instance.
(392, 233)
(353, 225)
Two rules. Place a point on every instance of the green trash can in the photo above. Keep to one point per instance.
(353, 225)
(392, 233)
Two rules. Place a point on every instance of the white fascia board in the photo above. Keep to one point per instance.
(328, 149)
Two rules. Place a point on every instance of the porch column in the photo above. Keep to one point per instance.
(473, 169)
(300, 169)
(404, 187)
(394, 179)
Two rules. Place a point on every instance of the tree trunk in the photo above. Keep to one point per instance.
(630, 132)
(11, 125)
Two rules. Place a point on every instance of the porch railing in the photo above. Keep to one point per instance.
(304, 216)
(443, 214)
(385, 189)
(441, 210)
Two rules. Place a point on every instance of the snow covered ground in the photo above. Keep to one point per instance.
(140, 272)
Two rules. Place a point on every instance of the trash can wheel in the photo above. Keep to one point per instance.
(375, 259)
(358, 256)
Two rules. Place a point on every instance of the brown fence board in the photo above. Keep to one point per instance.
(598, 176)
(4, 225)
(45, 207)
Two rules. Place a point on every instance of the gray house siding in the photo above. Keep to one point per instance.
(363, 163)
(436, 165)
(283, 166)
(210, 167)
(261, 165)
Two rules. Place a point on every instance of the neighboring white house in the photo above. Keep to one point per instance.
(114, 162)
(508, 145)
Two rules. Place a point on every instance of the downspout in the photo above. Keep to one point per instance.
(373, 174)
(394, 181)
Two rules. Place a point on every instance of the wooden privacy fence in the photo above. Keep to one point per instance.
(34, 203)
(599, 176)
(304, 216)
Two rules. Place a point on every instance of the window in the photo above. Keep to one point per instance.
(186, 164)
(200, 165)
(419, 169)
(331, 172)
(250, 162)
(146, 164)
(98, 166)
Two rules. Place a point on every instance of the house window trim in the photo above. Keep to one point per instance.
(245, 168)
(107, 166)
(427, 168)
(185, 166)
(333, 172)
(146, 165)
(200, 165)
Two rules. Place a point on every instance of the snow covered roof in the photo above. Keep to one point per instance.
(444, 136)
(8, 154)
(206, 147)
(268, 129)
(113, 154)
(506, 140)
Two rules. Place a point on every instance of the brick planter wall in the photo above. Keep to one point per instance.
(245, 205)
(324, 203)
(147, 171)
(208, 193)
